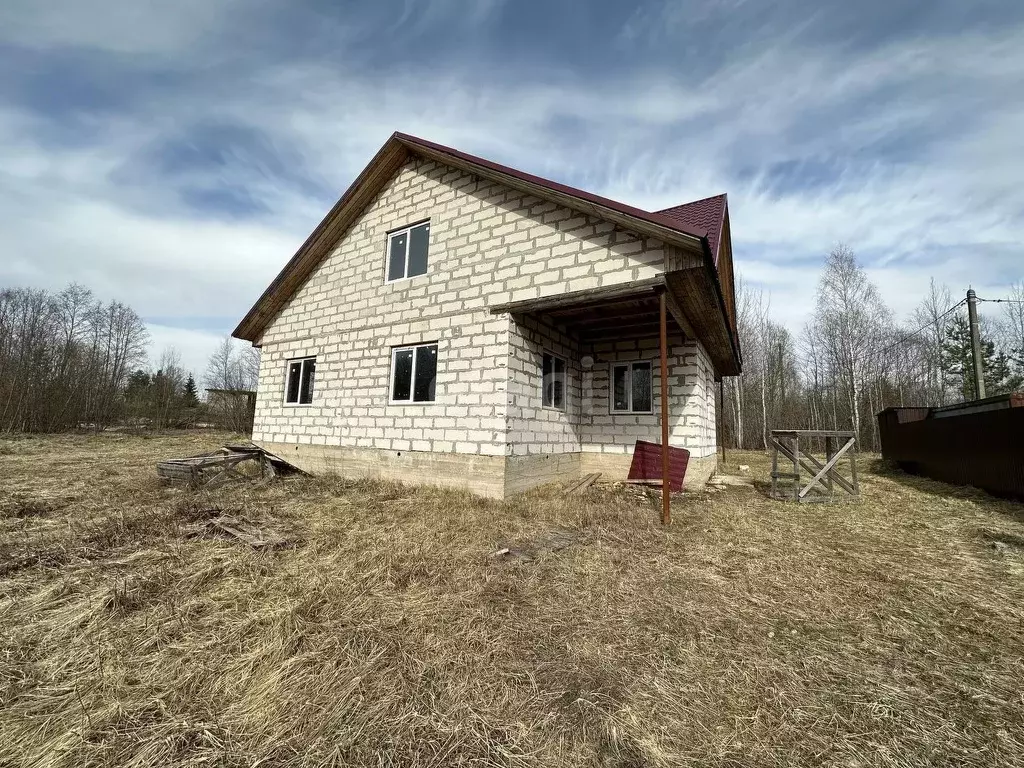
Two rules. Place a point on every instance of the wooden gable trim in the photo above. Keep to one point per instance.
(318, 245)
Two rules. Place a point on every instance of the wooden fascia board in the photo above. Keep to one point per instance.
(588, 296)
(700, 303)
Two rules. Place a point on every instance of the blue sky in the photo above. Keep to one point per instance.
(174, 155)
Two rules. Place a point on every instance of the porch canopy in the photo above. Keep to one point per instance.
(632, 311)
(641, 309)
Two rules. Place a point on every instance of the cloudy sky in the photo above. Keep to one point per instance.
(173, 155)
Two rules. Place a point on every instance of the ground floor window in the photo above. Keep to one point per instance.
(631, 387)
(414, 373)
(299, 386)
(553, 382)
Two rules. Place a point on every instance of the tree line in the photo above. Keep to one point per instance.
(852, 358)
(70, 361)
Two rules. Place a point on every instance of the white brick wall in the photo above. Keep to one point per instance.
(488, 244)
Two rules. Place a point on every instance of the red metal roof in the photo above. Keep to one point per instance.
(707, 214)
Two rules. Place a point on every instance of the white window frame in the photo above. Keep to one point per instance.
(302, 372)
(407, 230)
(628, 365)
(565, 382)
(412, 380)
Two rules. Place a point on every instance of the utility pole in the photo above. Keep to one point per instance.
(979, 363)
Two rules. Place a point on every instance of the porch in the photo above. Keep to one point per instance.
(636, 368)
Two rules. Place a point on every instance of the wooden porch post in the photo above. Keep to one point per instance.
(666, 512)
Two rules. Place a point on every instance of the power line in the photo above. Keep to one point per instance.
(926, 325)
(1003, 301)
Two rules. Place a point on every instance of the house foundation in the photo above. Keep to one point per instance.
(495, 477)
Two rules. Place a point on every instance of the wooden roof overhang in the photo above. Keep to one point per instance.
(631, 311)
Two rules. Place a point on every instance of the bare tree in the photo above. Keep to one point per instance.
(929, 313)
(233, 371)
(1011, 327)
(850, 319)
(64, 358)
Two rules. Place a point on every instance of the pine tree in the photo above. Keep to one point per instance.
(958, 363)
(190, 396)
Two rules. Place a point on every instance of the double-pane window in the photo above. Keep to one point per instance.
(407, 251)
(299, 385)
(414, 373)
(631, 388)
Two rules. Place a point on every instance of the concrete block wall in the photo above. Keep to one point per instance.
(691, 381)
(533, 428)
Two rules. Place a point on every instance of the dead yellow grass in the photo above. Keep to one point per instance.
(752, 632)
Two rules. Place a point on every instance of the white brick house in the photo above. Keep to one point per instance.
(457, 322)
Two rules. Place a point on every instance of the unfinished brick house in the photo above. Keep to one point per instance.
(457, 322)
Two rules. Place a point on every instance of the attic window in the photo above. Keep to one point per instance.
(299, 387)
(407, 251)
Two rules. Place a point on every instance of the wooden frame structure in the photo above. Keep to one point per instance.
(824, 477)
(209, 470)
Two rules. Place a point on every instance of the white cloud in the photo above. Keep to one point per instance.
(137, 27)
(195, 347)
(941, 204)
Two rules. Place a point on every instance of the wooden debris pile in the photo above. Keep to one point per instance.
(220, 525)
(209, 470)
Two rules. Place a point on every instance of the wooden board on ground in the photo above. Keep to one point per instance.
(583, 483)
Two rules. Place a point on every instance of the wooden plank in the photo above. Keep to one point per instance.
(591, 296)
(634, 332)
(828, 458)
(583, 484)
(677, 313)
(812, 433)
(775, 466)
(828, 467)
(574, 485)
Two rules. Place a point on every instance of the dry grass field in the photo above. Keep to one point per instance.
(386, 633)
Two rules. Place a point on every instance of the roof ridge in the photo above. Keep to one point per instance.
(692, 202)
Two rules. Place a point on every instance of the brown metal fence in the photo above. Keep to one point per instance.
(980, 443)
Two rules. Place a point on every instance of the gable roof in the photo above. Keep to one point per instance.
(707, 214)
(689, 228)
